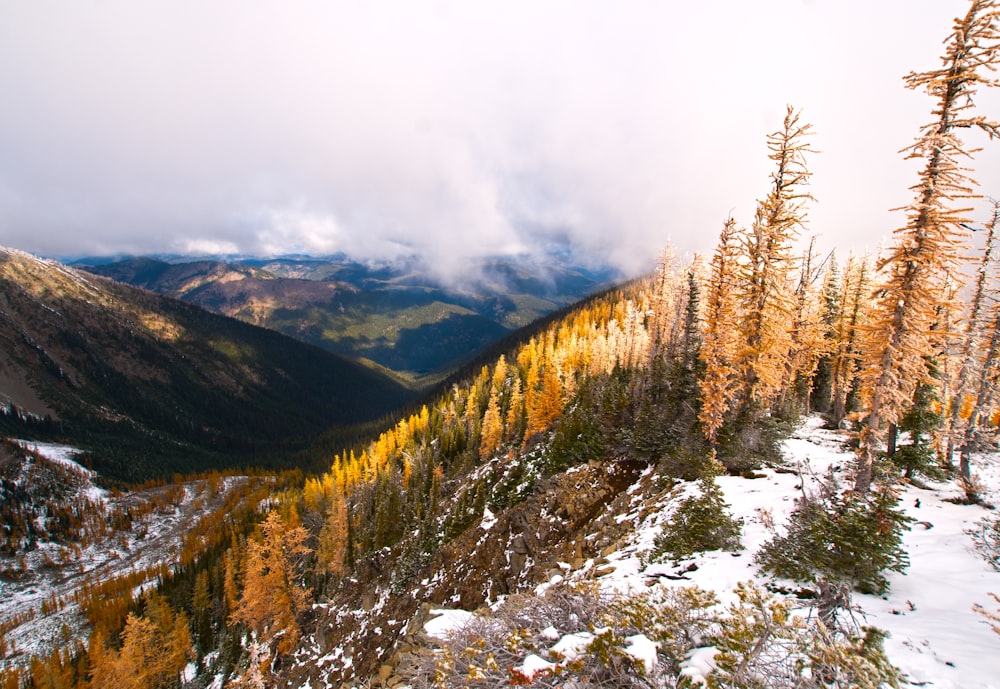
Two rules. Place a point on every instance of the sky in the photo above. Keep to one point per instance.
(452, 129)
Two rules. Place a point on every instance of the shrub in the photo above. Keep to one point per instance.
(701, 522)
(840, 540)
(577, 637)
(746, 444)
(986, 539)
(688, 463)
(763, 643)
(991, 618)
(578, 439)
(571, 636)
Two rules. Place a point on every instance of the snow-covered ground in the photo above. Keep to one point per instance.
(936, 638)
(54, 572)
(65, 455)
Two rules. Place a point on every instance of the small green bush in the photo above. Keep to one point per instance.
(839, 539)
(701, 522)
(578, 439)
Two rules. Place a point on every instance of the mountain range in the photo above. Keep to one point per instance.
(564, 491)
(397, 315)
(150, 385)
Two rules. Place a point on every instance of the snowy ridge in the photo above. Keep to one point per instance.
(39, 605)
(62, 455)
(936, 639)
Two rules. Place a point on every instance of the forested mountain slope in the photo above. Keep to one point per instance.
(396, 315)
(150, 385)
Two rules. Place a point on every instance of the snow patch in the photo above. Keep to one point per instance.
(446, 622)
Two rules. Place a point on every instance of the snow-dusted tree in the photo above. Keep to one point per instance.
(668, 301)
(983, 405)
(719, 341)
(971, 343)
(928, 247)
(808, 333)
(766, 272)
(851, 319)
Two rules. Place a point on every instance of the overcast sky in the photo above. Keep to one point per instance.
(451, 128)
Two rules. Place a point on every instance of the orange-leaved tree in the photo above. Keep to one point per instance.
(719, 341)
(928, 247)
(273, 594)
(766, 288)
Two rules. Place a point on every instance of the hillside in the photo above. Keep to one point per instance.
(934, 635)
(149, 386)
(762, 470)
(395, 315)
(70, 548)
(439, 545)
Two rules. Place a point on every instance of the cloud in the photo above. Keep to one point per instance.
(450, 129)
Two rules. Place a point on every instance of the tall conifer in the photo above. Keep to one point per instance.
(928, 247)
(971, 343)
(767, 292)
(719, 343)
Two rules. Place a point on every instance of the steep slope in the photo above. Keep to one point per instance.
(935, 636)
(394, 315)
(67, 546)
(150, 385)
(569, 461)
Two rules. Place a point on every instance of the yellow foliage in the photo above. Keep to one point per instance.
(272, 594)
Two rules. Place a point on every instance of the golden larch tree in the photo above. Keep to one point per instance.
(155, 648)
(984, 387)
(928, 248)
(719, 341)
(492, 430)
(767, 266)
(273, 594)
(333, 538)
(808, 342)
(970, 345)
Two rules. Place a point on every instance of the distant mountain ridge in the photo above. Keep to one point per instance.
(396, 315)
(150, 385)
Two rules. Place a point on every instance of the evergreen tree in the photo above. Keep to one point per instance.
(851, 320)
(839, 540)
(821, 395)
(201, 606)
(920, 423)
